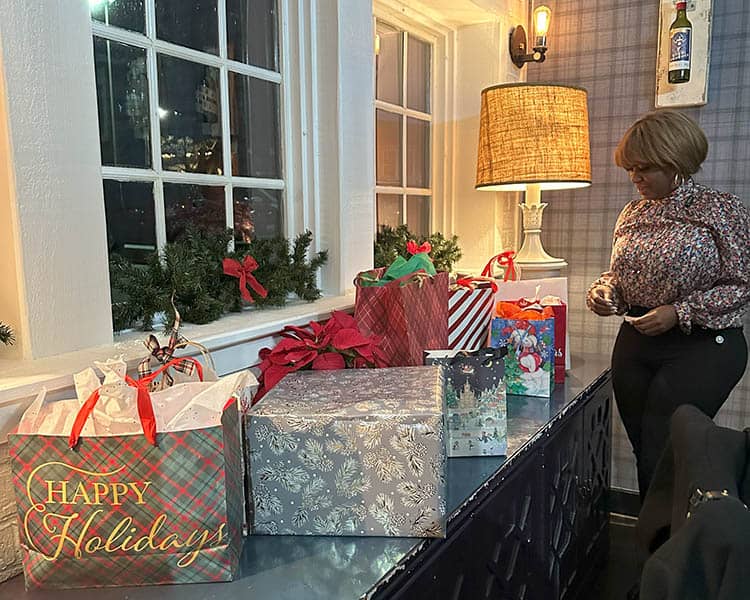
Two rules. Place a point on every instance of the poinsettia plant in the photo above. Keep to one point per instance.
(337, 344)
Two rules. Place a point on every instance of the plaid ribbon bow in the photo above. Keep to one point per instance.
(244, 271)
(164, 354)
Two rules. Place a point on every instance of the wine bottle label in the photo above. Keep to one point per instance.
(679, 48)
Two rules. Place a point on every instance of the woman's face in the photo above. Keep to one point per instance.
(652, 182)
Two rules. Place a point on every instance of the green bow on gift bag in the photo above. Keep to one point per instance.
(418, 266)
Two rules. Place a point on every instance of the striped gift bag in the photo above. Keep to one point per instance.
(470, 305)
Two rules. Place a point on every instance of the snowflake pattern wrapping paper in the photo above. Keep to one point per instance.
(350, 452)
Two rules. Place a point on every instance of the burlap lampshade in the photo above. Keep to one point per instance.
(533, 133)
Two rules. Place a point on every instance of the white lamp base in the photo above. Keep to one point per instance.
(532, 258)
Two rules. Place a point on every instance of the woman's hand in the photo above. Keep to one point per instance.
(656, 321)
(603, 300)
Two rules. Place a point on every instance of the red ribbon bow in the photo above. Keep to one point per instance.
(504, 259)
(412, 248)
(244, 271)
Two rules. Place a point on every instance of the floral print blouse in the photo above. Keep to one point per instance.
(690, 249)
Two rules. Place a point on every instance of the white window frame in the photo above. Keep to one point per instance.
(404, 114)
(157, 175)
(442, 38)
(326, 99)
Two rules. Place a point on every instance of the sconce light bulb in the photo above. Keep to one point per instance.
(542, 16)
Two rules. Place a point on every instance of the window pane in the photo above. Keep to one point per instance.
(388, 148)
(199, 205)
(389, 209)
(127, 14)
(417, 153)
(418, 74)
(418, 214)
(131, 227)
(257, 215)
(254, 122)
(389, 65)
(252, 32)
(191, 23)
(122, 95)
(190, 114)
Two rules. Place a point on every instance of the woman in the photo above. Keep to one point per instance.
(680, 273)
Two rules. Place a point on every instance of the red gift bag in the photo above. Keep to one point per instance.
(409, 314)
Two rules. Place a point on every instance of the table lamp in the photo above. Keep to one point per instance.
(533, 137)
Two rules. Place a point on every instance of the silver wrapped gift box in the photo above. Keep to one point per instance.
(349, 452)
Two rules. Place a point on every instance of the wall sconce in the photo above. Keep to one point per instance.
(518, 43)
(533, 137)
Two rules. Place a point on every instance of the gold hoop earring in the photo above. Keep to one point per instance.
(678, 180)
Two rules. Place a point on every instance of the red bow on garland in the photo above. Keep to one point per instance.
(244, 271)
(505, 260)
(412, 248)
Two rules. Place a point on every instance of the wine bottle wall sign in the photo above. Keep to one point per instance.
(693, 92)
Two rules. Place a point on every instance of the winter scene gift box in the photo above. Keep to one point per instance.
(476, 407)
(530, 338)
(349, 452)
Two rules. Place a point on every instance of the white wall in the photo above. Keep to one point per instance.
(53, 181)
(345, 129)
(486, 222)
(11, 305)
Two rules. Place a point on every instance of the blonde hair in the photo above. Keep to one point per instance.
(664, 138)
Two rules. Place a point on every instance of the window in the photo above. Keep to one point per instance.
(188, 98)
(403, 129)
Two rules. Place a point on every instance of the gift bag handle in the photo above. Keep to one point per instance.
(504, 259)
(143, 400)
(487, 355)
(470, 283)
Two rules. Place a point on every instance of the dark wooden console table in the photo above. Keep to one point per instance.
(530, 526)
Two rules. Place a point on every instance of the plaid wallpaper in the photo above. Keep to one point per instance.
(609, 48)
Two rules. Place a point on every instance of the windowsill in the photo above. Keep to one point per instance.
(23, 378)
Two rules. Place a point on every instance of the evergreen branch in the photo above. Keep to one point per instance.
(6, 335)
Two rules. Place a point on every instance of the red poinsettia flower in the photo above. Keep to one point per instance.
(337, 344)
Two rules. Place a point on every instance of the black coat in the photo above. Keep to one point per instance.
(706, 556)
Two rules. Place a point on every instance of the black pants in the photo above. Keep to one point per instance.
(652, 375)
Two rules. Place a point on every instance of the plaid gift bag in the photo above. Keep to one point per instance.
(131, 500)
(470, 304)
(410, 314)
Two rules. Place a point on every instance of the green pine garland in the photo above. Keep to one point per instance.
(190, 269)
(391, 243)
(6, 335)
